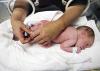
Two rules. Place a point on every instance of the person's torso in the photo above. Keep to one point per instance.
(47, 5)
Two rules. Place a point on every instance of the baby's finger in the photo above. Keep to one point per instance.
(35, 33)
(78, 50)
(43, 41)
(28, 39)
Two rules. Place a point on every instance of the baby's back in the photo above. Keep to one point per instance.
(70, 33)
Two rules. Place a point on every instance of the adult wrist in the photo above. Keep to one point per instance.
(60, 25)
(18, 14)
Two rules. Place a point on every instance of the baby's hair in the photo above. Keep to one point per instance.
(88, 30)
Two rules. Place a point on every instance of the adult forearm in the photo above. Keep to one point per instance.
(70, 15)
(20, 10)
(23, 4)
(18, 14)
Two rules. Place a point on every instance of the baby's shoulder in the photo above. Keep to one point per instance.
(72, 32)
(71, 29)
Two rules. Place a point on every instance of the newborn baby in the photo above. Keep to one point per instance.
(81, 37)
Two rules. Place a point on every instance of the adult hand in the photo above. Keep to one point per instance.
(46, 33)
(19, 29)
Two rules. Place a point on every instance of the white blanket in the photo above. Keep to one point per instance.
(15, 56)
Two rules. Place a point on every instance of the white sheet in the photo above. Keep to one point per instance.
(17, 57)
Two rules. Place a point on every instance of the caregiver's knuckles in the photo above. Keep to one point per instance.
(18, 29)
(48, 32)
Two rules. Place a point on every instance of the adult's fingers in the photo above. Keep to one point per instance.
(43, 41)
(35, 33)
(46, 43)
(25, 34)
(26, 29)
(37, 39)
(20, 37)
(27, 40)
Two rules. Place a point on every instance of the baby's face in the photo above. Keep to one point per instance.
(84, 41)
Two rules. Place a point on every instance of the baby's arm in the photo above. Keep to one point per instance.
(68, 45)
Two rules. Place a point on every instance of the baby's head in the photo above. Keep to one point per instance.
(86, 37)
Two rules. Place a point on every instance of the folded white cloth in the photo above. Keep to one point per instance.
(15, 56)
